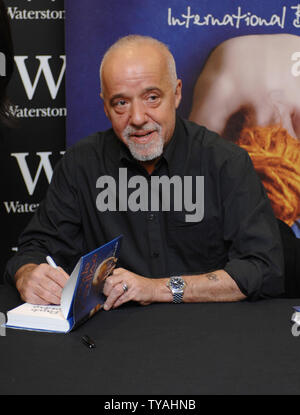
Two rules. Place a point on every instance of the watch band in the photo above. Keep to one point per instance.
(177, 297)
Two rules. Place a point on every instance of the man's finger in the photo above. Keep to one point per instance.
(58, 275)
(50, 286)
(111, 282)
(115, 293)
(118, 271)
(122, 299)
(49, 297)
(35, 299)
(41, 296)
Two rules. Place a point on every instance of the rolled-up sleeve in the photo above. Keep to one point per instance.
(255, 256)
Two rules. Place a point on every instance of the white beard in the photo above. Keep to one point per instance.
(145, 151)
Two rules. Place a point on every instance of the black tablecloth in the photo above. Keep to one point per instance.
(162, 349)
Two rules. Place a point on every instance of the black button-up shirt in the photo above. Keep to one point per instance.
(238, 232)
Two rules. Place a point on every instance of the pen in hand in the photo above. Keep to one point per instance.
(51, 261)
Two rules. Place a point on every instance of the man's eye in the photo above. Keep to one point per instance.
(152, 98)
(120, 103)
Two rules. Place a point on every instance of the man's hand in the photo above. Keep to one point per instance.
(211, 287)
(41, 284)
(143, 290)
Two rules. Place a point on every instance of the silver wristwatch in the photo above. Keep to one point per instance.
(177, 286)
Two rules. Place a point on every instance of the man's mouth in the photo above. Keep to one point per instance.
(142, 136)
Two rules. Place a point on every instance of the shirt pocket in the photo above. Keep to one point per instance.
(197, 241)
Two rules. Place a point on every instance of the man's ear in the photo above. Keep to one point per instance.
(178, 93)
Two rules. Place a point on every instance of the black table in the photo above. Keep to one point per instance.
(161, 349)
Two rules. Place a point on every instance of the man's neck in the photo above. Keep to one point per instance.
(149, 165)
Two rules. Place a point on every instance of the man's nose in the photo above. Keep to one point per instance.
(138, 116)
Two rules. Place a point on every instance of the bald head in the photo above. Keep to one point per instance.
(135, 47)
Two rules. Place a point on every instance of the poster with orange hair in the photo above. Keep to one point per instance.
(249, 92)
(239, 64)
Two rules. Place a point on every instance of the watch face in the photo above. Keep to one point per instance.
(177, 283)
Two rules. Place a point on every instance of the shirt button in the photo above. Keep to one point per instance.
(151, 216)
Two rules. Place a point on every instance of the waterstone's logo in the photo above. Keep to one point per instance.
(17, 13)
(159, 193)
(2, 64)
(43, 69)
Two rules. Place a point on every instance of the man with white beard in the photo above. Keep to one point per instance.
(233, 253)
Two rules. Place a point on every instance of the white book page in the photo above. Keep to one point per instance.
(40, 311)
(67, 294)
(37, 317)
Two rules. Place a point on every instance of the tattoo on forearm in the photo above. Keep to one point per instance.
(212, 277)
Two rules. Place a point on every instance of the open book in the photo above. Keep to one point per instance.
(81, 297)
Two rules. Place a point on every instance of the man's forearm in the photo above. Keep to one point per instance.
(211, 287)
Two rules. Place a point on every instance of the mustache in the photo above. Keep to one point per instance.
(130, 130)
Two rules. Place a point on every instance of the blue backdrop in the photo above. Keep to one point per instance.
(186, 26)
